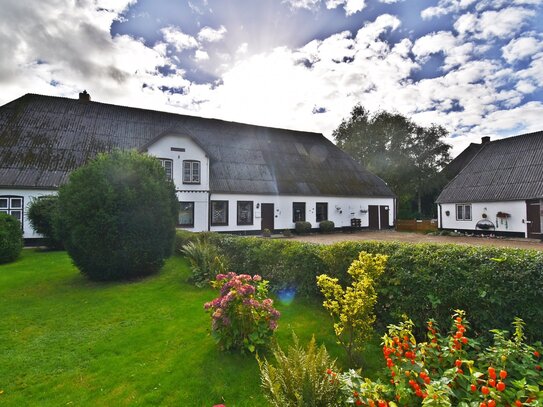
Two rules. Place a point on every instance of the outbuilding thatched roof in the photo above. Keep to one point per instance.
(502, 170)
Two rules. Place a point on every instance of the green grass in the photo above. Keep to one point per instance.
(67, 341)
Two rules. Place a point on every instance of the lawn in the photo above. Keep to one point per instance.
(67, 341)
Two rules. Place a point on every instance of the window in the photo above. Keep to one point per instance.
(191, 172)
(167, 164)
(219, 213)
(245, 212)
(298, 211)
(12, 205)
(321, 211)
(186, 214)
(463, 212)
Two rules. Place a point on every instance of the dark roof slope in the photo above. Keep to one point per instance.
(502, 170)
(43, 138)
(461, 160)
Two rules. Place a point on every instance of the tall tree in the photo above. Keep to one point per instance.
(408, 157)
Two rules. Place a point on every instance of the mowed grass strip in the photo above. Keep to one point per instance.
(67, 341)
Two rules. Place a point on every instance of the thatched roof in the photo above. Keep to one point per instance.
(44, 138)
(502, 170)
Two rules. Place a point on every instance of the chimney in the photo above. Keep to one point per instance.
(84, 96)
(485, 139)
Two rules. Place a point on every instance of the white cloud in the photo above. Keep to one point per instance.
(350, 6)
(177, 38)
(446, 7)
(242, 49)
(504, 23)
(201, 55)
(521, 48)
(208, 34)
(456, 52)
(303, 4)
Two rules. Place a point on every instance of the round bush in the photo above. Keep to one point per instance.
(117, 216)
(302, 228)
(11, 238)
(327, 226)
(41, 214)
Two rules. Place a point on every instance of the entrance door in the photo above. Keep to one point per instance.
(533, 219)
(383, 216)
(373, 215)
(267, 214)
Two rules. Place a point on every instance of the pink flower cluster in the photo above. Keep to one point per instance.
(242, 308)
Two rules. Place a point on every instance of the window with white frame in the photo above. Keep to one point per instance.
(219, 213)
(191, 172)
(245, 212)
(12, 205)
(463, 212)
(186, 215)
(167, 164)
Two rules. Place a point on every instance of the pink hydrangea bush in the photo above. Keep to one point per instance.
(242, 317)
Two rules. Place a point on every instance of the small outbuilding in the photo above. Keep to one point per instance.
(498, 188)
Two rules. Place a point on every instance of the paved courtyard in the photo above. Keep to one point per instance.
(392, 235)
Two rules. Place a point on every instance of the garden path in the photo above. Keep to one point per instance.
(392, 235)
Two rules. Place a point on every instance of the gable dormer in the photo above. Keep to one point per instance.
(184, 160)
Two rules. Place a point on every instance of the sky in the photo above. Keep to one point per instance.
(474, 67)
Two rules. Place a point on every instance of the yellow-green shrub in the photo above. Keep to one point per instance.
(353, 308)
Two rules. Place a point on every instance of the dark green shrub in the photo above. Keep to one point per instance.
(302, 228)
(42, 213)
(327, 226)
(118, 216)
(287, 233)
(11, 238)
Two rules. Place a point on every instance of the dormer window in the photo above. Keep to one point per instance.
(191, 172)
(167, 164)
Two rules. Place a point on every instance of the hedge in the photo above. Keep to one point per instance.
(11, 238)
(493, 285)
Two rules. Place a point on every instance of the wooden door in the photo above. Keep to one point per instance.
(383, 216)
(267, 213)
(373, 215)
(533, 220)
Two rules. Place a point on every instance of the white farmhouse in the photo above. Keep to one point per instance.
(229, 177)
(498, 189)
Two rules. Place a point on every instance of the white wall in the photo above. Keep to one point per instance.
(516, 223)
(28, 195)
(349, 208)
(162, 149)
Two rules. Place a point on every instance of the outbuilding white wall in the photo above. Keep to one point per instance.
(515, 223)
(28, 195)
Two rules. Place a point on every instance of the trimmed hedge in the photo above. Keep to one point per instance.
(493, 285)
(11, 238)
(302, 228)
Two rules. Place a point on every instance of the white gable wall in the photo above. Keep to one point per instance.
(515, 223)
(162, 148)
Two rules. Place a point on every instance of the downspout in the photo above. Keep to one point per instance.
(208, 210)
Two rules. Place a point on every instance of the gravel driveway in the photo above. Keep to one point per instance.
(392, 235)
